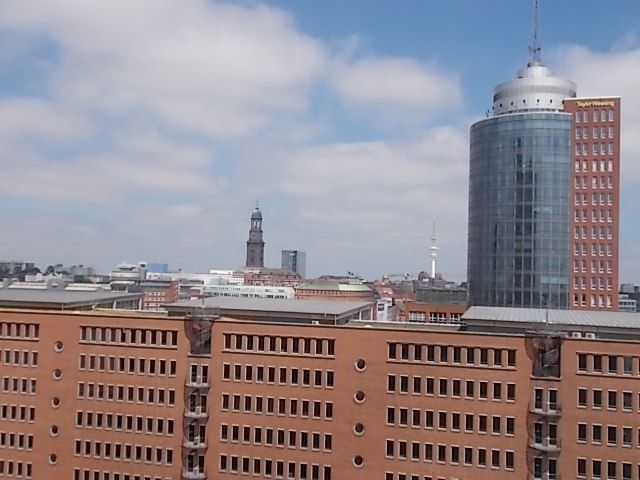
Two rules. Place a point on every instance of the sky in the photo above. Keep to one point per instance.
(147, 130)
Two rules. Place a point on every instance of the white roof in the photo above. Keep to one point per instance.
(277, 305)
(576, 318)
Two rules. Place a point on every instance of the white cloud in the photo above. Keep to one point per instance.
(25, 119)
(615, 73)
(377, 199)
(395, 86)
(159, 122)
(212, 68)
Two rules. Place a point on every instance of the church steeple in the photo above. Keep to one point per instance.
(255, 244)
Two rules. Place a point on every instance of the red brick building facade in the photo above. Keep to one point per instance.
(123, 397)
(596, 203)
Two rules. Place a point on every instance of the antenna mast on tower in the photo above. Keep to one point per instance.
(534, 48)
(434, 251)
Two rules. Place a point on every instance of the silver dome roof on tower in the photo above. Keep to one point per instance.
(535, 89)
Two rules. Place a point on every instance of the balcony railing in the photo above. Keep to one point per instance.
(196, 412)
(193, 474)
(197, 382)
(544, 476)
(546, 410)
(194, 443)
(545, 444)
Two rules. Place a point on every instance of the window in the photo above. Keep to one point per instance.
(483, 390)
(581, 467)
(509, 460)
(613, 364)
(596, 468)
(511, 391)
(582, 432)
(497, 390)
(597, 398)
(511, 426)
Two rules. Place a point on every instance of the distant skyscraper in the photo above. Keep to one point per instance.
(296, 261)
(543, 196)
(255, 244)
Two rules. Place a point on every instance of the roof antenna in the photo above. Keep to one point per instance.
(534, 48)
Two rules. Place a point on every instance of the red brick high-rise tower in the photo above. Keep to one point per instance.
(595, 202)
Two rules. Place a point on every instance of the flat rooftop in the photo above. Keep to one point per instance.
(59, 299)
(342, 287)
(275, 305)
(559, 318)
(329, 312)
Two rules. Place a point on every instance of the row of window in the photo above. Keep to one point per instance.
(84, 474)
(602, 233)
(597, 181)
(146, 337)
(597, 116)
(25, 386)
(273, 468)
(14, 468)
(443, 420)
(138, 366)
(285, 375)
(278, 437)
(444, 387)
(470, 356)
(596, 199)
(435, 317)
(450, 454)
(282, 345)
(15, 330)
(610, 399)
(20, 441)
(596, 132)
(602, 165)
(126, 393)
(19, 358)
(120, 422)
(597, 249)
(606, 469)
(596, 149)
(277, 406)
(600, 301)
(17, 413)
(610, 435)
(123, 452)
(619, 365)
(597, 266)
(597, 216)
(596, 283)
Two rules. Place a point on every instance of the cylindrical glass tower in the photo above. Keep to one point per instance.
(519, 193)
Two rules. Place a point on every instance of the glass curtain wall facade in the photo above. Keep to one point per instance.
(520, 166)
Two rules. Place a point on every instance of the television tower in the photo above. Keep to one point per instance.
(433, 251)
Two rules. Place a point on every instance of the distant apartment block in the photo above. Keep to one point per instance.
(247, 291)
(335, 290)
